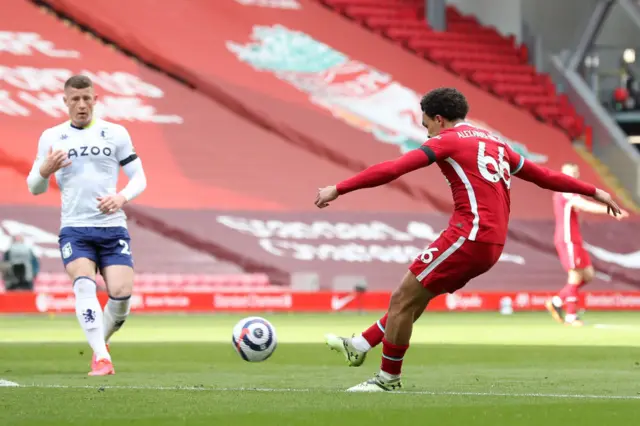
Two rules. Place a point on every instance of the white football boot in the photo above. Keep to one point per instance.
(377, 384)
(354, 357)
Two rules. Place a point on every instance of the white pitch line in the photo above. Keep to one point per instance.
(291, 390)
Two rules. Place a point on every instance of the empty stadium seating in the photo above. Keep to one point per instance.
(480, 54)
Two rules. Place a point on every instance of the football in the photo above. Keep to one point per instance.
(254, 339)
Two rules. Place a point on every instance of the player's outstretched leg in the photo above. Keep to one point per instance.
(89, 314)
(355, 348)
(406, 305)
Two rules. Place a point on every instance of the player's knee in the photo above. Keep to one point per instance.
(120, 292)
(575, 277)
(81, 268)
(588, 275)
(84, 287)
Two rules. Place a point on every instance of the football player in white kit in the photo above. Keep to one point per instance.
(85, 155)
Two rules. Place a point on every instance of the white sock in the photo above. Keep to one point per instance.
(360, 343)
(89, 313)
(570, 317)
(115, 314)
(388, 377)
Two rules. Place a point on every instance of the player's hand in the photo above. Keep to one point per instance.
(623, 215)
(55, 161)
(326, 195)
(604, 198)
(111, 203)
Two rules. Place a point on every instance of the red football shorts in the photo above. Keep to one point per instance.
(573, 256)
(451, 261)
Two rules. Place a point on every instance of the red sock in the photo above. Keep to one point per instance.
(569, 296)
(374, 334)
(392, 356)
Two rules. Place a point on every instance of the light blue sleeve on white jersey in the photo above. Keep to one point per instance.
(37, 184)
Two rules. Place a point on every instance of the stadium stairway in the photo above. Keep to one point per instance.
(609, 178)
(478, 53)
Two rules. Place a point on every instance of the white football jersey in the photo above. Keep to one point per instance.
(96, 153)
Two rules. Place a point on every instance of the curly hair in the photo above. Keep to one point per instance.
(446, 102)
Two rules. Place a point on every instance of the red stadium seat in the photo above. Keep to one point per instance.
(469, 67)
(341, 4)
(509, 89)
(450, 55)
(534, 101)
(490, 78)
(488, 39)
(384, 22)
(482, 54)
(363, 12)
(425, 45)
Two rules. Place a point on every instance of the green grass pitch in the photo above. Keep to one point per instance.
(462, 369)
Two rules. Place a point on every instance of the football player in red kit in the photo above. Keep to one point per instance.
(478, 166)
(573, 256)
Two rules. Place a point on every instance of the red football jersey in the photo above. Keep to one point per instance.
(567, 222)
(478, 166)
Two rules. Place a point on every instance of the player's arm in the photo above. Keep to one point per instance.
(584, 205)
(137, 179)
(378, 174)
(47, 162)
(132, 166)
(557, 181)
(382, 173)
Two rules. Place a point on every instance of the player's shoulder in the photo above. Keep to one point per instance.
(112, 130)
(109, 125)
(59, 131)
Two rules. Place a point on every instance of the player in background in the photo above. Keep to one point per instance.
(85, 155)
(478, 167)
(573, 256)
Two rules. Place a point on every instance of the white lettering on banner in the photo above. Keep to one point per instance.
(351, 252)
(276, 4)
(10, 107)
(611, 301)
(136, 301)
(33, 236)
(28, 44)
(52, 105)
(513, 258)
(454, 301)
(626, 260)
(373, 230)
(42, 88)
(285, 233)
(51, 303)
(53, 79)
(245, 301)
(166, 301)
(528, 300)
